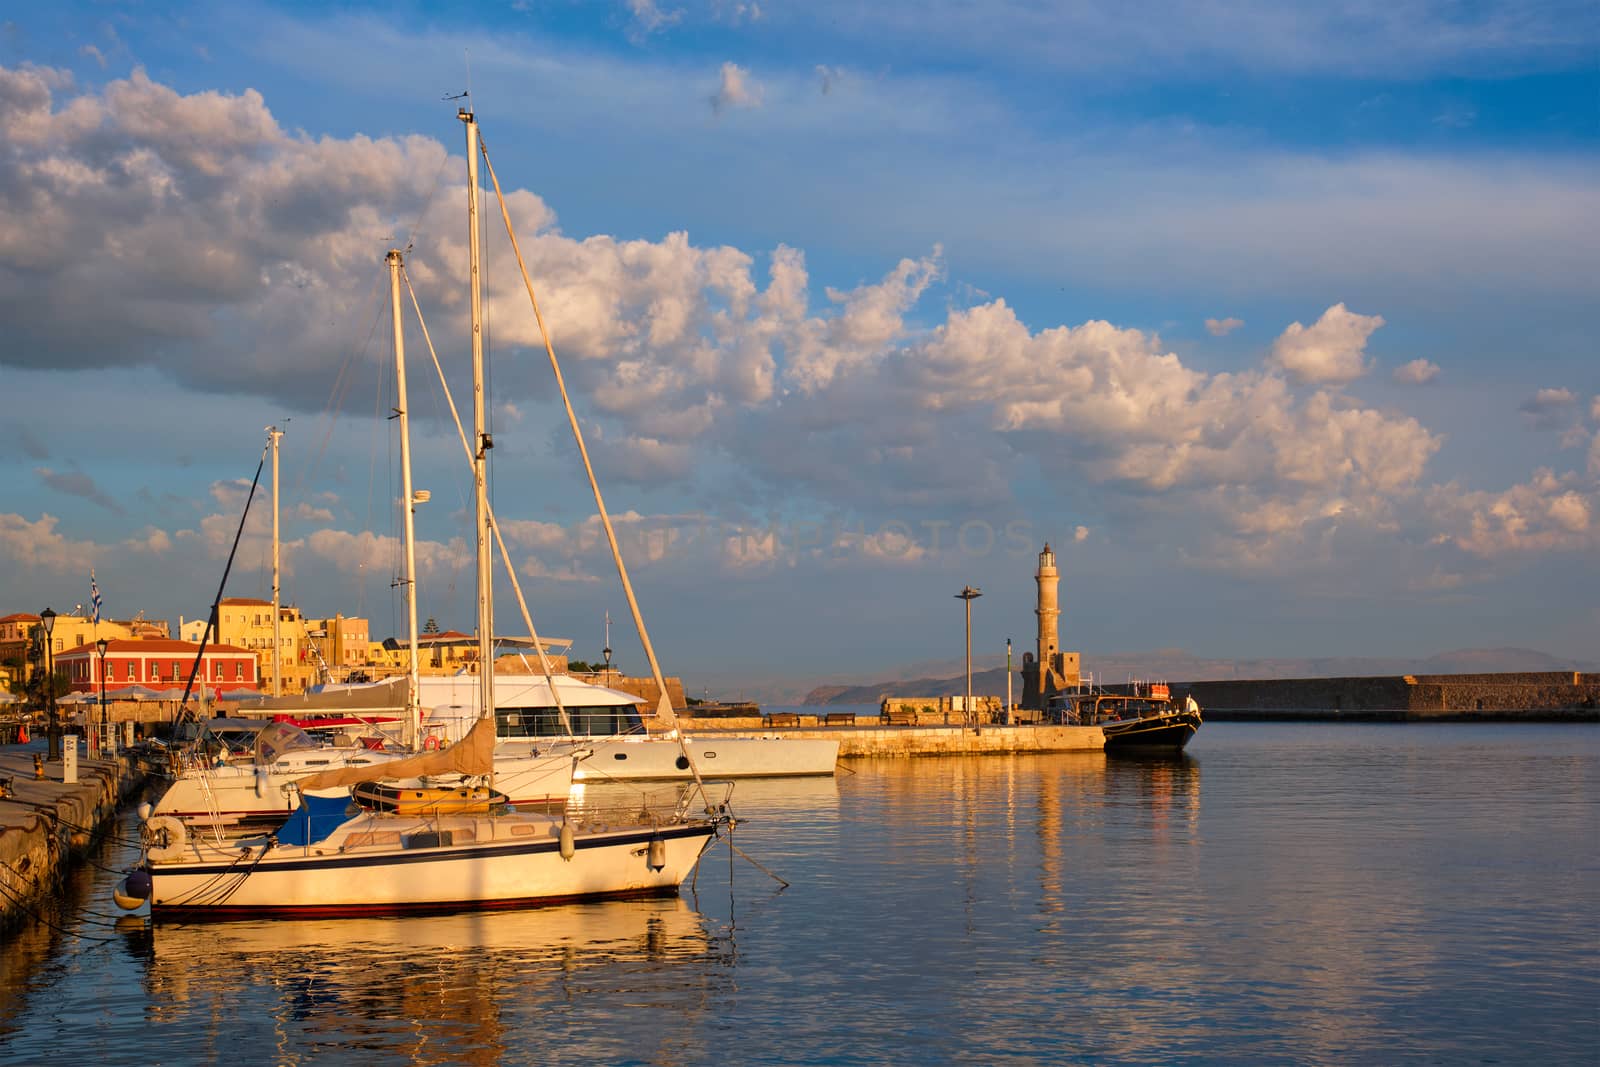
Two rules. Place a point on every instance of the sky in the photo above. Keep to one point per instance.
(1274, 319)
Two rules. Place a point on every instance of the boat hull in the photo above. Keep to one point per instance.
(494, 871)
(656, 759)
(1156, 733)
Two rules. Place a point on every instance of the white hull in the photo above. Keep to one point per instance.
(364, 869)
(656, 759)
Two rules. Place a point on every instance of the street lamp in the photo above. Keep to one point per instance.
(969, 594)
(47, 620)
(100, 734)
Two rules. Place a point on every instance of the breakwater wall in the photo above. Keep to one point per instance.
(47, 823)
(1564, 696)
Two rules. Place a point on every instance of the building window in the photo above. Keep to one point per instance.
(238, 672)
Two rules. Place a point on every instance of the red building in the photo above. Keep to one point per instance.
(157, 663)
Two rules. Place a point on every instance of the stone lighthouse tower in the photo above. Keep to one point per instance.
(1048, 671)
(1049, 613)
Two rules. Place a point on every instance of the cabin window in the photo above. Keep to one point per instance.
(546, 722)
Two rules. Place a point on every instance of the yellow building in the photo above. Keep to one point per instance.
(341, 643)
(245, 622)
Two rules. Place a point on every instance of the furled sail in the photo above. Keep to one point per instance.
(473, 754)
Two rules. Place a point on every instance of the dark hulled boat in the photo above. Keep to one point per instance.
(1146, 719)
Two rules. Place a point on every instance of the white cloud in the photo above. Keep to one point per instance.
(1417, 372)
(1548, 513)
(1330, 351)
(735, 89)
(1080, 534)
(1223, 327)
(648, 18)
(1548, 401)
(151, 540)
(38, 544)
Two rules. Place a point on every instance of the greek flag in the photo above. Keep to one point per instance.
(94, 599)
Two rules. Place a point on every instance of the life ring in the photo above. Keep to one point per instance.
(168, 829)
(431, 743)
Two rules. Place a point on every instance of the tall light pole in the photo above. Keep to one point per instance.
(47, 619)
(969, 594)
(100, 734)
(1008, 681)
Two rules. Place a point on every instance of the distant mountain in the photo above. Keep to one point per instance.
(1176, 665)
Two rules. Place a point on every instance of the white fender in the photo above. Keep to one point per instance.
(171, 829)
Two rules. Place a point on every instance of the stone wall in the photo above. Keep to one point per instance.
(1547, 694)
(643, 688)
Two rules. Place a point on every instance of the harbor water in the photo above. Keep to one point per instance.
(1313, 893)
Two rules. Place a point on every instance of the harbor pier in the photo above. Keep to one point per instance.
(45, 823)
(875, 738)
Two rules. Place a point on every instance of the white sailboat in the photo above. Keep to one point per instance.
(332, 858)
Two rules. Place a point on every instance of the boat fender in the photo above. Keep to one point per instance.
(133, 891)
(657, 857)
(167, 838)
(261, 780)
(568, 846)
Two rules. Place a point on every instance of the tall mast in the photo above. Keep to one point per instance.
(409, 499)
(273, 434)
(482, 442)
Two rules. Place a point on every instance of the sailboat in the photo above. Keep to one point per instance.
(333, 858)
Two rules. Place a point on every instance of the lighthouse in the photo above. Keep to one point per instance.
(1048, 670)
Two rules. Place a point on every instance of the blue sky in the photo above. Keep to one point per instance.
(1276, 320)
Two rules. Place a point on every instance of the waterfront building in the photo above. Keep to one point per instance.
(156, 663)
(246, 622)
(341, 644)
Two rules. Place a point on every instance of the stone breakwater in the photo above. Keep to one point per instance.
(46, 823)
(1556, 696)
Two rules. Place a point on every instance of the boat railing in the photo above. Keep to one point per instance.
(651, 807)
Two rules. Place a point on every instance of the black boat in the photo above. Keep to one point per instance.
(1143, 720)
(1166, 731)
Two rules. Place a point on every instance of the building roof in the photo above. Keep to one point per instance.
(251, 601)
(155, 645)
(22, 616)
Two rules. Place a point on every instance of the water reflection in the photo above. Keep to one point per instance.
(1359, 894)
(450, 988)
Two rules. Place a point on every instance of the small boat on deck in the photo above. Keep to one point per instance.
(1145, 719)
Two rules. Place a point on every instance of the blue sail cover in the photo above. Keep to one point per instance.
(314, 819)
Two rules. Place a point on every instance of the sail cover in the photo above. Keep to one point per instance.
(473, 754)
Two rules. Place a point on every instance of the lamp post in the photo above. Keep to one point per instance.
(969, 594)
(47, 620)
(100, 734)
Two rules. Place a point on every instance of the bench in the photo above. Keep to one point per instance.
(900, 717)
(839, 718)
(783, 719)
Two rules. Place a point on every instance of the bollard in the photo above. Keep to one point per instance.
(69, 759)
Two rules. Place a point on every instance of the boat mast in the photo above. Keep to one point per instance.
(410, 505)
(482, 442)
(273, 434)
